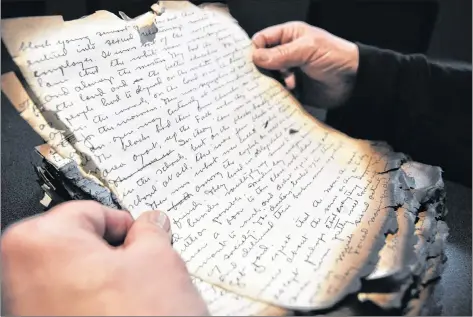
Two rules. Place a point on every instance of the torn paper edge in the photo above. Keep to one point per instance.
(431, 258)
(318, 123)
(425, 180)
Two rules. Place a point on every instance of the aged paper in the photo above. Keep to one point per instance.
(428, 266)
(220, 302)
(414, 254)
(224, 303)
(70, 172)
(398, 253)
(173, 115)
(395, 257)
(398, 256)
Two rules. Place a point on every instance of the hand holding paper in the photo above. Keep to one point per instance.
(328, 63)
(268, 207)
(72, 270)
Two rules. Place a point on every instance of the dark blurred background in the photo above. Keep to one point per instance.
(439, 28)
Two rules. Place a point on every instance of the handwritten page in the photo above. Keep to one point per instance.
(220, 302)
(394, 257)
(170, 113)
(224, 303)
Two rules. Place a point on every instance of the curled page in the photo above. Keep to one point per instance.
(398, 253)
(431, 235)
(265, 201)
(414, 254)
(388, 300)
(398, 256)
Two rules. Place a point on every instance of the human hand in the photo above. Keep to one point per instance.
(60, 263)
(326, 65)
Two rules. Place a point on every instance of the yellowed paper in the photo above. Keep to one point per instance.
(20, 99)
(52, 156)
(224, 303)
(265, 201)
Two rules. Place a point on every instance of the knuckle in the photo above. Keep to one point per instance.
(303, 25)
(76, 205)
(301, 28)
(298, 24)
(318, 35)
(307, 41)
(19, 235)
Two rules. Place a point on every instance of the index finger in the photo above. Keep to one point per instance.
(92, 217)
(274, 35)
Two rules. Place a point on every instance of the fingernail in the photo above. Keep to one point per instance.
(159, 218)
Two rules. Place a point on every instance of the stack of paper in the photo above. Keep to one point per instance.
(272, 210)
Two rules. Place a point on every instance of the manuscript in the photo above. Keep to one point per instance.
(169, 112)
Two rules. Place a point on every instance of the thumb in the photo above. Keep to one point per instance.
(151, 228)
(289, 55)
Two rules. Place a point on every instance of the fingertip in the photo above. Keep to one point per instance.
(157, 217)
(151, 227)
(290, 81)
(258, 40)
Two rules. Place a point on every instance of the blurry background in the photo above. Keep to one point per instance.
(438, 28)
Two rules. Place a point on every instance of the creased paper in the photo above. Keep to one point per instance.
(265, 201)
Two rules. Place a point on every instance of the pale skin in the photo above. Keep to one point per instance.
(63, 262)
(327, 64)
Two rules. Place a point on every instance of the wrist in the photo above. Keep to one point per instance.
(353, 58)
(348, 71)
